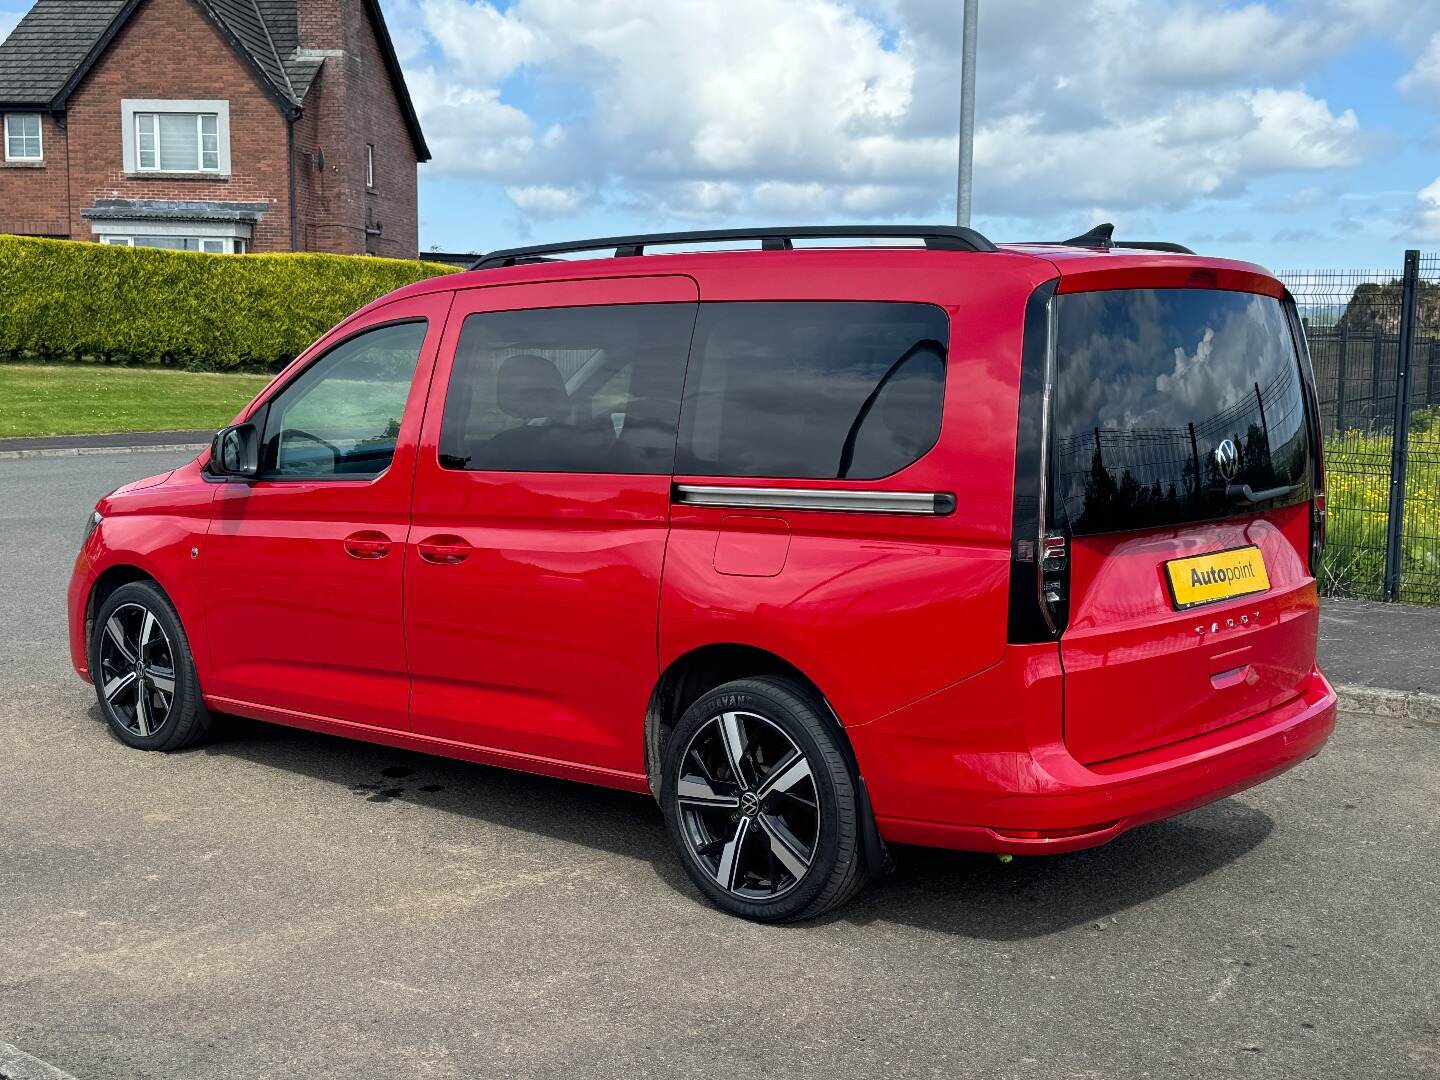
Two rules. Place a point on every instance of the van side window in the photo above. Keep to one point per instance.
(581, 389)
(341, 415)
(822, 390)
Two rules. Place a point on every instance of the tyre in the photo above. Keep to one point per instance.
(143, 671)
(761, 803)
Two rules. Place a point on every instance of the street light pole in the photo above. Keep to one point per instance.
(967, 113)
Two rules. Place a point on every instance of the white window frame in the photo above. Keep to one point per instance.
(370, 166)
(223, 237)
(210, 245)
(39, 138)
(132, 109)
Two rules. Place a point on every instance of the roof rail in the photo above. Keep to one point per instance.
(1102, 237)
(941, 237)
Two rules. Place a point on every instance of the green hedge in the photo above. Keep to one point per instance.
(66, 301)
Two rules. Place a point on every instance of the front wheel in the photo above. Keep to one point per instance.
(143, 671)
(761, 803)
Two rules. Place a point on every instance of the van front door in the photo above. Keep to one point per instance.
(303, 566)
(542, 494)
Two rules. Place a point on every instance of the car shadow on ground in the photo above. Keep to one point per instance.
(966, 894)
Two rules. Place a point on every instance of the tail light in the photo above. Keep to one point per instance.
(1317, 503)
(1054, 579)
(1038, 558)
(1317, 532)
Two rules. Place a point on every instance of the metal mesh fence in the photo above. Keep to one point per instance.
(1353, 322)
(1420, 536)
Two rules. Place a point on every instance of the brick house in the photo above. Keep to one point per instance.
(209, 125)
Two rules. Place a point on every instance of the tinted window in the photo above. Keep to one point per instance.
(823, 390)
(342, 414)
(592, 389)
(1169, 401)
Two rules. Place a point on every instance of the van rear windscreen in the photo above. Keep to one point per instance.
(1174, 406)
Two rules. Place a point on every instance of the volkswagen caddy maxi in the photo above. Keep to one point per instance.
(1005, 549)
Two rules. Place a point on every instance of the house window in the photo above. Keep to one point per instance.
(370, 165)
(184, 137)
(211, 245)
(177, 142)
(22, 137)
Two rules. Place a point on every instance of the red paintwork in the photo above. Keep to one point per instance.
(150, 525)
(295, 620)
(1084, 270)
(1124, 631)
(542, 641)
(524, 619)
(748, 545)
(990, 754)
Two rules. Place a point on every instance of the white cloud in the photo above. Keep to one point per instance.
(1199, 45)
(1422, 81)
(825, 108)
(1427, 218)
(8, 21)
(1197, 150)
(485, 43)
(542, 200)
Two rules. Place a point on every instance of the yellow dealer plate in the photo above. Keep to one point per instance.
(1221, 575)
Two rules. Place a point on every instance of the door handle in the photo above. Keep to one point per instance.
(367, 544)
(444, 550)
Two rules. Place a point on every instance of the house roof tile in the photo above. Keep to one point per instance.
(49, 45)
(57, 41)
(243, 20)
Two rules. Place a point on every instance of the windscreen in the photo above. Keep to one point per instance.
(1173, 406)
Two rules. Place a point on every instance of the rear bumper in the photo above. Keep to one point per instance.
(1040, 800)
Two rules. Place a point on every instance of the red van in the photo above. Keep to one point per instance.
(826, 547)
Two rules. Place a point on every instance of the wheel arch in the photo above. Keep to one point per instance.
(122, 573)
(105, 585)
(698, 671)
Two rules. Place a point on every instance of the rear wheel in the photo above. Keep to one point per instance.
(143, 671)
(760, 801)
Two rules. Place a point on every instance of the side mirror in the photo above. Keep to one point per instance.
(235, 451)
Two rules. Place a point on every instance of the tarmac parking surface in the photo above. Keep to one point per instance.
(280, 903)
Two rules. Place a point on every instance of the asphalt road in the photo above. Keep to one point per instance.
(283, 904)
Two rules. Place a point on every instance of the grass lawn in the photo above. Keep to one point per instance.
(83, 399)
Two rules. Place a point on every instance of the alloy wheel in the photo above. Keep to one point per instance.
(137, 670)
(749, 805)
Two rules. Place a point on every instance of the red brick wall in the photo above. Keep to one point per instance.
(33, 197)
(351, 104)
(169, 49)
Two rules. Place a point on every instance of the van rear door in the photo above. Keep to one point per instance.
(1182, 472)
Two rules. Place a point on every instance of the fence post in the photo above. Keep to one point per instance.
(1340, 381)
(1400, 449)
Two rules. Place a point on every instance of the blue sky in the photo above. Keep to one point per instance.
(1293, 134)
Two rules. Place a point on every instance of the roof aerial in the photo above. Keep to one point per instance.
(1102, 238)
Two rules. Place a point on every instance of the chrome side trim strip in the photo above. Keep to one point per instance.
(775, 498)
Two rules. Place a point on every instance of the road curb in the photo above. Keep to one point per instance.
(76, 451)
(1393, 704)
(15, 1064)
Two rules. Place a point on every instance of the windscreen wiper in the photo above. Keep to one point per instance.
(1244, 493)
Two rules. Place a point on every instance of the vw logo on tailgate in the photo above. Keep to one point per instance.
(1227, 459)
